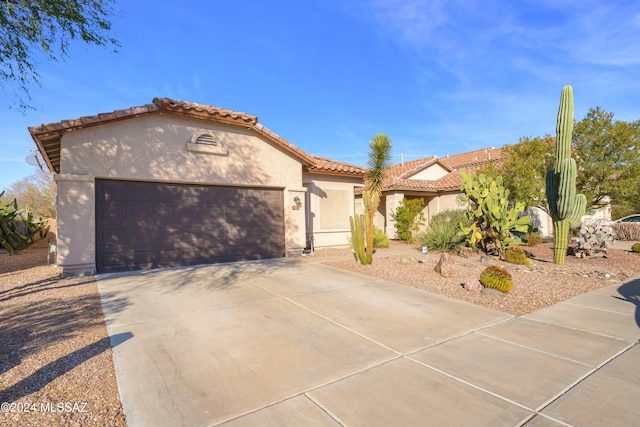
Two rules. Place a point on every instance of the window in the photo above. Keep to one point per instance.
(334, 208)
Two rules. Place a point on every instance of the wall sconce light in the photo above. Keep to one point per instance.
(297, 201)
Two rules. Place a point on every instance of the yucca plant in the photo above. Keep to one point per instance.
(362, 227)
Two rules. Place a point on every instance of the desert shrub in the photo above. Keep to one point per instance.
(442, 234)
(380, 239)
(594, 239)
(533, 239)
(515, 255)
(496, 277)
(635, 248)
(628, 232)
(409, 218)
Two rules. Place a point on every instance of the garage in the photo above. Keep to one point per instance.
(145, 225)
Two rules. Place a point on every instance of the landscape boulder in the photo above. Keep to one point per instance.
(473, 284)
(446, 266)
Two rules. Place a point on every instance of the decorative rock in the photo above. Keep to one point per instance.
(445, 266)
(493, 292)
(403, 260)
(473, 284)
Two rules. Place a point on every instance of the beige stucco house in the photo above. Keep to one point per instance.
(176, 183)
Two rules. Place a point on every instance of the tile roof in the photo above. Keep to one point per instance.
(477, 157)
(47, 136)
(323, 165)
(407, 169)
(400, 175)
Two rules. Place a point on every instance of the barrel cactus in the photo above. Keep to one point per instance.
(635, 248)
(496, 277)
(566, 207)
(516, 255)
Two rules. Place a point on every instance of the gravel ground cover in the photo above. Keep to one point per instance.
(534, 287)
(56, 366)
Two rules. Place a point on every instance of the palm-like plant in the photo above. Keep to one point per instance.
(362, 227)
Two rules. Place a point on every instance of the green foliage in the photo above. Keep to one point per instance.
(38, 191)
(607, 154)
(29, 29)
(18, 230)
(409, 218)
(516, 255)
(524, 169)
(628, 232)
(493, 221)
(594, 239)
(442, 234)
(380, 238)
(496, 277)
(533, 239)
(635, 248)
(566, 207)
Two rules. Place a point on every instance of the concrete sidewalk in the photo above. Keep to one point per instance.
(285, 342)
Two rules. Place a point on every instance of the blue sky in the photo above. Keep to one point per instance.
(437, 76)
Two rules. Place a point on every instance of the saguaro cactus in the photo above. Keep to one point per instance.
(567, 207)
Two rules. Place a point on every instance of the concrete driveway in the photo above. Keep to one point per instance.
(292, 342)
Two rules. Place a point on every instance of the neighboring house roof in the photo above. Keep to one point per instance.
(472, 158)
(47, 136)
(400, 176)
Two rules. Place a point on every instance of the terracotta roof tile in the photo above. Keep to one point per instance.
(476, 157)
(205, 111)
(450, 181)
(324, 165)
(412, 184)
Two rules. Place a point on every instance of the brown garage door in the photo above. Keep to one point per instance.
(144, 225)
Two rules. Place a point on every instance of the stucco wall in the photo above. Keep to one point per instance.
(157, 148)
(443, 202)
(154, 148)
(76, 224)
(317, 186)
(431, 173)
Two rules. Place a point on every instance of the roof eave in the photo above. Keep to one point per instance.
(336, 173)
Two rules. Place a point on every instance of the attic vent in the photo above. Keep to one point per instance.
(206, 143)
(206, 139)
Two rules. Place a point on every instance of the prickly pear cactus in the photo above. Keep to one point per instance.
(594, 240)
(494, 220)
(567, 207)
